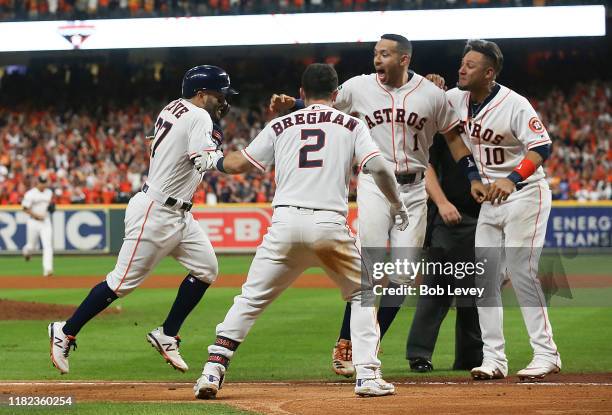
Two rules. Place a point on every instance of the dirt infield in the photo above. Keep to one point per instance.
(29, 310)
(584, 397)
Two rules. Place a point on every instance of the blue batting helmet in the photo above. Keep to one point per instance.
(206, 78)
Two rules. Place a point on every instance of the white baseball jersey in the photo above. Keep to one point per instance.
(502, 132)
(182, 130)
(313, 151)
(37, 201)
(402, 120)
(153, 229)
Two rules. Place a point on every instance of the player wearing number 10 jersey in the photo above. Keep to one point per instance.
(509, 144)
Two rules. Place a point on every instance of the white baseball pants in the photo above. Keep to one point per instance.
(377, 226)
(516, 229)
(40, 229)
(153, 231)
(298, 239)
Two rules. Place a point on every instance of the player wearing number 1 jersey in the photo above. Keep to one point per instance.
(403, 111)
(509, 144)
(158, 221)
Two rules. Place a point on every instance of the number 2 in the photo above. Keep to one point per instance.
(311, 148)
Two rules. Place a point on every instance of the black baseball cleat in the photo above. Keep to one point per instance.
(420, 364)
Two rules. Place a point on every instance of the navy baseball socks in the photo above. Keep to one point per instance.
(100, 297)
(62, 333)
(385, 317)
(189, 295)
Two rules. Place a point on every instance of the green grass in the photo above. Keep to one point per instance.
(292, 340)
(230, 265)
(112, 408)
(100, 265)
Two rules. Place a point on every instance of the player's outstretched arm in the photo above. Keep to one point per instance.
(463, 156)
(385, 180)
(233, 163)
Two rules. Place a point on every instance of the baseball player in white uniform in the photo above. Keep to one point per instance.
(158, 221)
(510, 144)
(403, 111)
(36, 203)
(313, 151)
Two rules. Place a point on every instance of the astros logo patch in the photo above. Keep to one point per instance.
(535, 125)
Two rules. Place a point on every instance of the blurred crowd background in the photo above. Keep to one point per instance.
(81, 119)
(102, 157)
(17, 10)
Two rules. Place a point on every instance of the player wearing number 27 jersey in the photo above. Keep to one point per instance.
(509, 144)
(158, 221)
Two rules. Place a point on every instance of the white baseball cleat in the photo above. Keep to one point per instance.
(210, 382)
(60, 344)
(537, 370)
(374, 387)
(342, 358)
(168, 347)
(487, 371)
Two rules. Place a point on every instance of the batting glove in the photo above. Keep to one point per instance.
(206, 160)
(400, 213)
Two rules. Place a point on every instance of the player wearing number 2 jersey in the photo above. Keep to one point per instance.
(509, 144)
(403, 111)
(158, 221)
(313, 151)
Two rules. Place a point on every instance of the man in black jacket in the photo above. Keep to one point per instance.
(451, 227)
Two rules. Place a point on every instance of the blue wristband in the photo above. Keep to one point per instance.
(220, 165)
(468, 165)
(514, 177)
(299, 104)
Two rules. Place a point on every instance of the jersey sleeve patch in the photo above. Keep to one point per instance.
(536, 125)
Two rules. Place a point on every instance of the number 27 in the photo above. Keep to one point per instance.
(163, 127)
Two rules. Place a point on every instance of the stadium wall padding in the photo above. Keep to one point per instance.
(239, 228)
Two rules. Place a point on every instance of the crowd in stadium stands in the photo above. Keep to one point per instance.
(103, 158)
(11, 10)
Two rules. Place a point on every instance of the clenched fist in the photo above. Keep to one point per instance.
(282, 102)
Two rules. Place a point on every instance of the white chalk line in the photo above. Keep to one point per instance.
(181, 384)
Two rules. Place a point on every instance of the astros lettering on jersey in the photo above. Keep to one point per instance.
(501, 133)
(402, 120)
